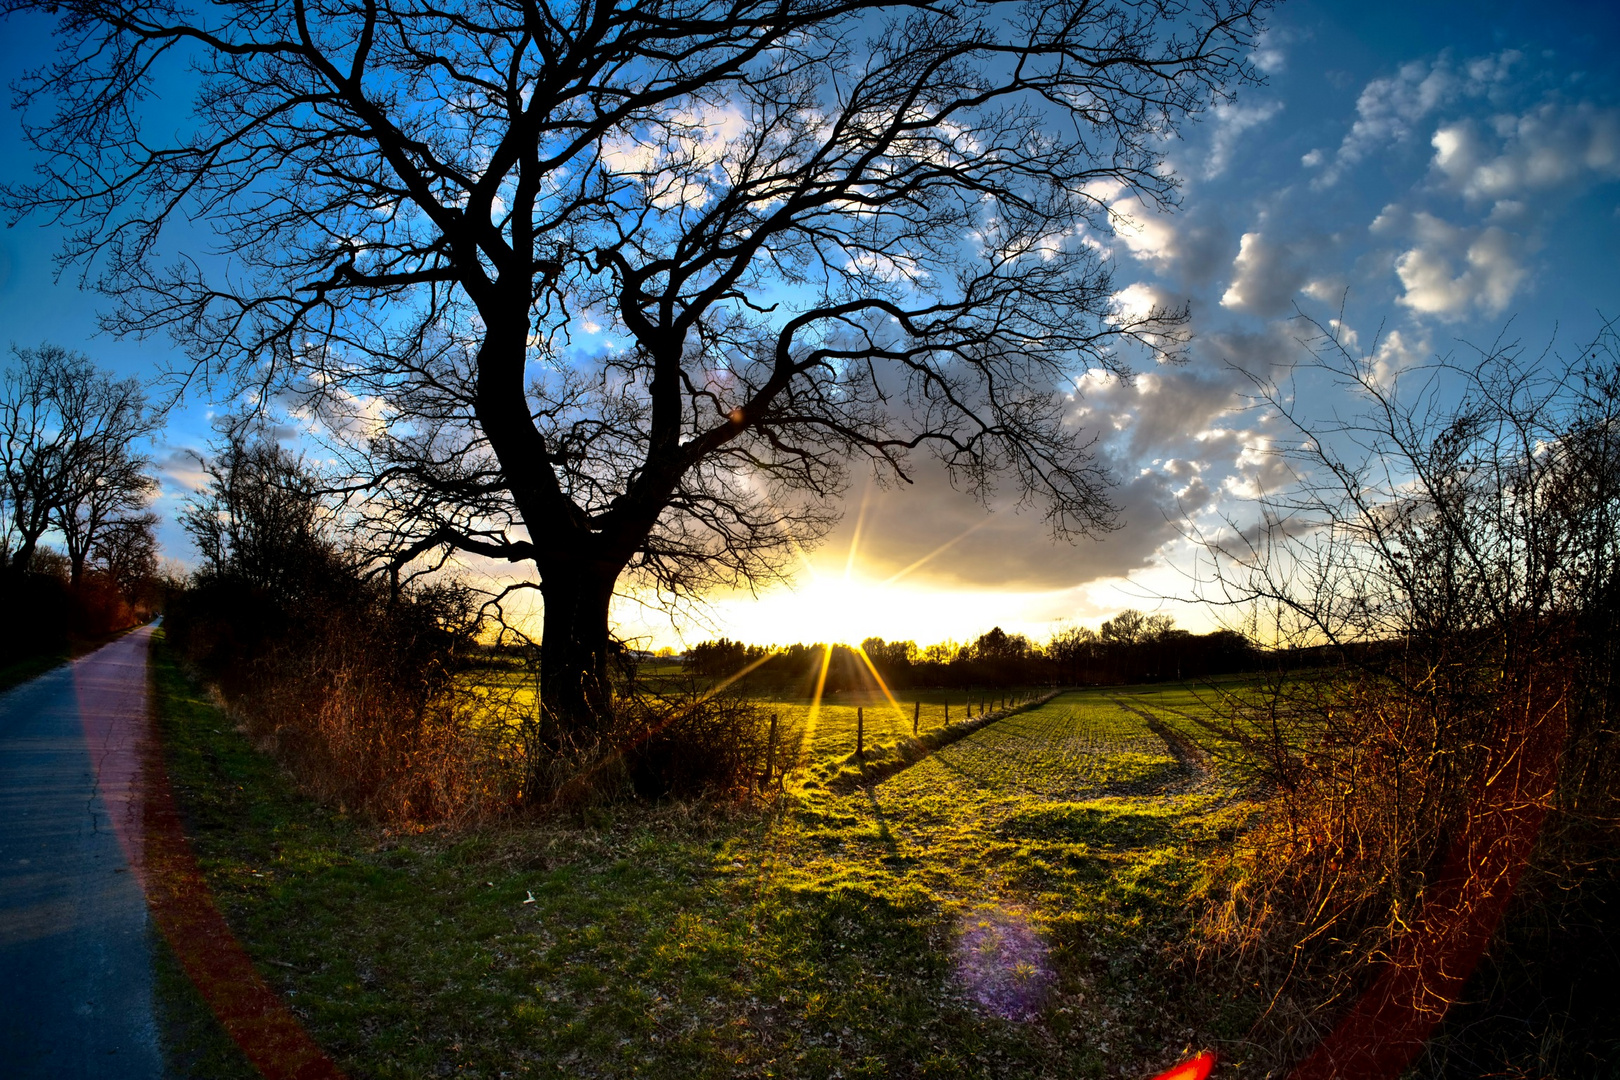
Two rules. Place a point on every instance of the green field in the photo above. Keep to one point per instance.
(1015, 904)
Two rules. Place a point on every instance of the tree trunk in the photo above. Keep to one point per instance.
(575, 693)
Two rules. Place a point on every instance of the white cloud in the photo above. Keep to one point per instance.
(1269, 56)
(1259, 470)
(1344, 333)
(1395, 354)
(1389, 110)
(1325, 289)
(1231, 121)
(680, 159)
(879, 266)
(1265, 276)
(1137, 301)
(1451, 270)
(1147, 233)
(1549, 147)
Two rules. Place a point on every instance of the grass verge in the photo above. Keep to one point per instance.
(21, 670)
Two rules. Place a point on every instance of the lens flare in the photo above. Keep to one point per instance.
(1192, 1069)
(810, 721)
(1003, 964)
(946, 546)
(883, 686)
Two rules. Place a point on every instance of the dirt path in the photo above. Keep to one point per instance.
(76, 998)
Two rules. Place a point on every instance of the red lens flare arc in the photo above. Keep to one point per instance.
(1195, 1068)
(133, 781)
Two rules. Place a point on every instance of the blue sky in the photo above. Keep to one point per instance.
(1442, 170)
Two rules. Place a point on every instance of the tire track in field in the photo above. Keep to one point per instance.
(1058, 754)
(1188, 754)
(1227, 734)
(930, 744)
(1202, 721)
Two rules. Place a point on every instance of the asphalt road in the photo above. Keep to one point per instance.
(76, 987)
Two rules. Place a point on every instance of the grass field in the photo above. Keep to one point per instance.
(1012, 905)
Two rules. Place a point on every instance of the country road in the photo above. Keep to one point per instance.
(76, 986)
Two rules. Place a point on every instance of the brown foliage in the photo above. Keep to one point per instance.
(1445, 792)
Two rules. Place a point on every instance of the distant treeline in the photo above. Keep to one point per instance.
(1131, 647)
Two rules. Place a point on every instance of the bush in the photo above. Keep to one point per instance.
(347, 678)
(353, 682)
(48, 613)
(350, 686)
(699, 746)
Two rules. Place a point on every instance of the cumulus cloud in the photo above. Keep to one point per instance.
(1140, 299)
(1259, 469)
(1194, 242)
(1389, 110)
(1512, 156)
(1158, 416)
(1265, 275)
(1169, 435)
(1394, 354)
(1147, 233)
(695, 144)
(1451, 270)
(1328, 289)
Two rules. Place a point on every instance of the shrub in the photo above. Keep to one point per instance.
(348, 679)
(699, 746)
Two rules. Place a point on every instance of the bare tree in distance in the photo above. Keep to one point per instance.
(814, 233)
(127, 551)
(68, 452)
(107, 489)
(260, 519)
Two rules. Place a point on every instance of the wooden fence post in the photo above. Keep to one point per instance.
(860, 732)
(770, 756)
(916, 718)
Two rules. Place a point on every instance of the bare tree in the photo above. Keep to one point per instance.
(1073, 648)
(260, 519)
(814, 231)
(126, 550)
(106, 486)
(29, 461)
(68, 456)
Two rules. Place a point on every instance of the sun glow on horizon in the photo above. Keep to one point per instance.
(839, 598)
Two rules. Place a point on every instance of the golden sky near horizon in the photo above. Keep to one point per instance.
(920, 564)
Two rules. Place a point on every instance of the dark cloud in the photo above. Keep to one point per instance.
(1002, 545)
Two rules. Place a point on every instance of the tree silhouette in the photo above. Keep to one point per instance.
(67, 453)
(813, 233)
